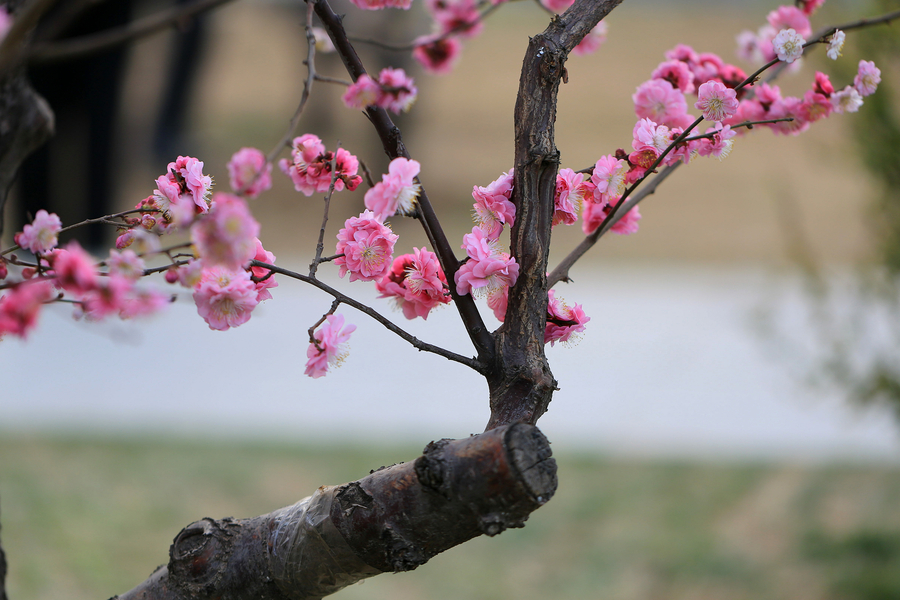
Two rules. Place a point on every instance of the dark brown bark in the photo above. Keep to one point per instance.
(522, 385)
(395, 519)
(2, 573)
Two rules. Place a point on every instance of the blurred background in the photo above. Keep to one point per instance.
(725, 427)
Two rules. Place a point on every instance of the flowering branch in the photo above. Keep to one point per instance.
(320, 245)
(90, 44)
(389, 325)
(392, 142)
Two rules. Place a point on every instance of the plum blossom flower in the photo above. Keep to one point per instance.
(398, 90)
(266, 281)
(677, 73)
(41, 235)
(716, 101)
(822, 85)
(836, 44)
(183, 192)
(397, 190)
(557, 6)
(224, 297)
(592, 41)
(788, 107)
(649, 142)
(323, 42)
(249, 172)
(20, 306)
(416, 282)
(596, 213)
(847, 100)
(461, 17)
(815, 106)
(364, 92)
(74, 268)
(437, 55)
(790, 17)
(788, 45)
(720, 145)
(330, 347)
(367, 246)
(310, 167)
(659, 101)
(570, 192)
(867, 78)
(227, 235)
(488, 269)
(493, 208)
(125, 264)
(563, 321)
(608, 178)
(748, 47)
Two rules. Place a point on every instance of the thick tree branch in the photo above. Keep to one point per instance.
(393, 520)
(522, 386)
(393, 145)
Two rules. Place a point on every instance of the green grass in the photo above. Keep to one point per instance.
(91, 518)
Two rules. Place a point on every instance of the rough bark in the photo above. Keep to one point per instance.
(395, 519)
(522, 385)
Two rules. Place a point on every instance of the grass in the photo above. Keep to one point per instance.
(88, 518)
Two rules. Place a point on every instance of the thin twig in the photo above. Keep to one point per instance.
(418, 344)
(320, 244)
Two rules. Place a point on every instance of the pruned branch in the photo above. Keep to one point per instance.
(522, 386)
(393, 520)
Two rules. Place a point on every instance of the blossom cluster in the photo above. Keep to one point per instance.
(393, 90)
(416, 283)
(310, 167)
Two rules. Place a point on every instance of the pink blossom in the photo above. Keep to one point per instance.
(461, 17)
(563, 321)
(416, 282)
(815, 106)
(846, 100)
(592, 41)
(365, 92)
(684, 53)
(557, 6)
(6, 22)
(498, 302)
(74, 268)
(227, 235)
(487, 269)
(330, 347)
(379, 4)
(398, 90)
(749, 47)
(594, 215)
(570, 191)
(790, 17)
(125, 264)
(658, 101)
(397, 191)
(493, 208)
(4, 272)
(183, 191)
(649, 142)
(41, 235)
(788, 45)
(142, 303)
(265, 283)
(139, 240)
(677, 73)
(437, 55)
(715, 101)
(867, 78)
(189, 275)
(225, 298)
(810, 6)
(721, 143)
(310, 167)
(249, 172)
(20, 306)
(367, 246)
(788, 107)
(608, 178)
(822, 85)
(708, 67)
(106, 298)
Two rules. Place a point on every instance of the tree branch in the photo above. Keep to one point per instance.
(523, 384)
(418, 344)
(392, 141)
(395, 519)
(91, 44)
